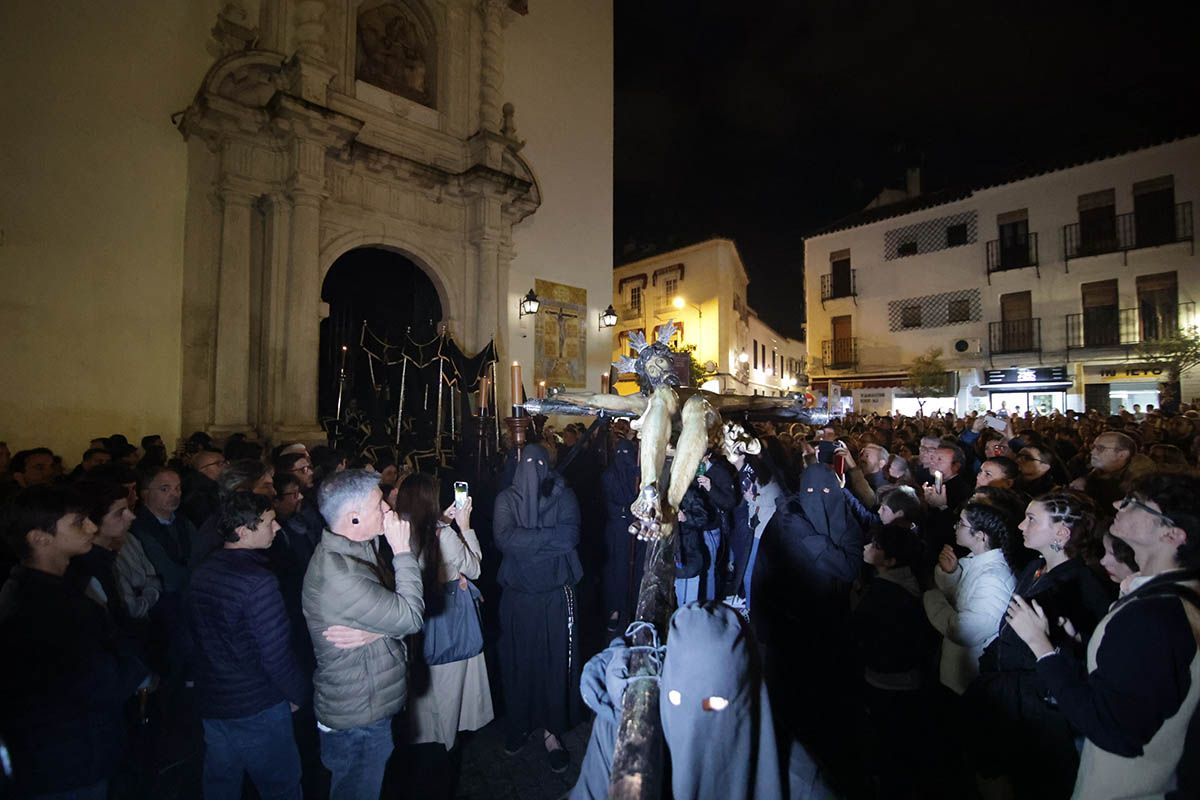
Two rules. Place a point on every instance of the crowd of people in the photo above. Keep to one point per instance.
(938, 606)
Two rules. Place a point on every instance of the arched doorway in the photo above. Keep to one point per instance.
(375, 298)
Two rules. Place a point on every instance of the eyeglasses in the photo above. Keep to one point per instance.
(1130, 500)
(1027, 457)
(291, 494)
(305, 468)
(220, 463)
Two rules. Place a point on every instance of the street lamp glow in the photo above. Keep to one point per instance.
(744, 357)
(677, 302)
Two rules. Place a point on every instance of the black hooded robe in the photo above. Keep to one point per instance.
(625, 556)
(536, 529)
(809, 555)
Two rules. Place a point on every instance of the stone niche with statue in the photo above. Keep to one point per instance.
(321, 127)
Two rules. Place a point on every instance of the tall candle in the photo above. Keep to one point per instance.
(516, 389)
(541, 389)
(484, 395)
(604, 383)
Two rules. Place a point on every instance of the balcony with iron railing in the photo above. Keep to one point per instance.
(1109, 326)
(840, 353)
(839, 284)
(1129, 232)
(630, 312)
(1006, 254)
(1015, 336)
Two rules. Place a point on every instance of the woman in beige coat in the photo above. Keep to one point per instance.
(458, 696)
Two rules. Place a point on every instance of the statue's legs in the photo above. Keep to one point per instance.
(690, 449)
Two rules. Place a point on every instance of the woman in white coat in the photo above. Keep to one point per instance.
(972, 593)
(458, 696)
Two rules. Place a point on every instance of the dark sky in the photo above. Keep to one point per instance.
(763, 125)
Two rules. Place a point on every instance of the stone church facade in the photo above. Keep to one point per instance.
(326, 125)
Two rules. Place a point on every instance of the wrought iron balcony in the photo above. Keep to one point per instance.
(838, 284)
(1127, 232)
(840, 353)
(1015, 336)
(1006, 254)
(1109, 326)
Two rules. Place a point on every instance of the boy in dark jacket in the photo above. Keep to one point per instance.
(66, 672)
(247, 676)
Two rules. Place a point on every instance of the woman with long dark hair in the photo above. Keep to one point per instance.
(458, 696)
(1021, 733)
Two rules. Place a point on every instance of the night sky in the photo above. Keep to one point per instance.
(764, 126)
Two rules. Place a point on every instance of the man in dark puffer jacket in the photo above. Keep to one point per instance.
(65, 672)
(247, 677)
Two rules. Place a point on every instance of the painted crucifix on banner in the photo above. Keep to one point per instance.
(560, 335)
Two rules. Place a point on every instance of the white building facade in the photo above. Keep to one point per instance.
(1039, 291)
(702, 288)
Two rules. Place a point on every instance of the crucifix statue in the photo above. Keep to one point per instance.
(660, 407)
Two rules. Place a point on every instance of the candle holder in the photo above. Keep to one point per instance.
(517, 429)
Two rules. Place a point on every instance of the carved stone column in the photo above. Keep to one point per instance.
(301, 354)
(308, 73)
(278, 209)
(491, 82)
(310, 29)
(231, 378)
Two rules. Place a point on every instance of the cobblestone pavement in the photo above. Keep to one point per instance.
(489, 774)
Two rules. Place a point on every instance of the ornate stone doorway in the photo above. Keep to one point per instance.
(375, 293)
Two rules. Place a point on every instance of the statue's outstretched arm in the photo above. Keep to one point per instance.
(588, 403)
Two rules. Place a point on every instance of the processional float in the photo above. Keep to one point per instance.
(660, 408)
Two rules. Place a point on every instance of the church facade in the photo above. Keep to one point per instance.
(473, 138)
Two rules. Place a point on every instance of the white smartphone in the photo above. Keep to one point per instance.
(460, 493)
(937, 480)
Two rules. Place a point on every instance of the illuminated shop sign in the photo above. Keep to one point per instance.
(993, 377)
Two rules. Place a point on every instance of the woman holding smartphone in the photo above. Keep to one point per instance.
(458, 696)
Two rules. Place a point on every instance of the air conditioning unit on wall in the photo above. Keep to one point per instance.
(967, 347)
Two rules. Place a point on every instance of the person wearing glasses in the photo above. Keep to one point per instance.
(1116, 465)
(1135, 696)
(1037, 474)
(201, 497)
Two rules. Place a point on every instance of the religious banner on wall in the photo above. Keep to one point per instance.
(560, 335)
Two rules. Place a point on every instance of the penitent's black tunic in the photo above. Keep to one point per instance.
(539, 641)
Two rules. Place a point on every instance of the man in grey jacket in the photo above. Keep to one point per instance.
(357, 615)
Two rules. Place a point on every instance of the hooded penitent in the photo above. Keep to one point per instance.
(621, 575)
(537, 527)
(603, 689)
(533, 469)
(715, 714)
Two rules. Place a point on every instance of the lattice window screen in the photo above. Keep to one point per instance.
(929, 235)
(935, 309)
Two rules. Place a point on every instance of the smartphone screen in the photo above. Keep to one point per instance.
(937, 480)
(460, 493)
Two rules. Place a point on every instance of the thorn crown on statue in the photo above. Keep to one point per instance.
(654, 366)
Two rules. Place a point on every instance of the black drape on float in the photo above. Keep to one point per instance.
(408, 397)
